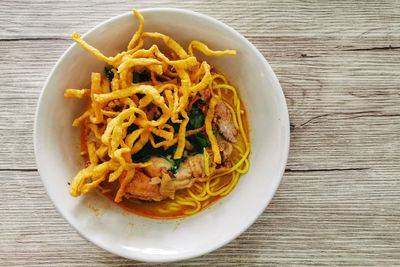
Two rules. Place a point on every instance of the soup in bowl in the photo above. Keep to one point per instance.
(165, 122)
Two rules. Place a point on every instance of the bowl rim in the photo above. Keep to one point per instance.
(243, 227)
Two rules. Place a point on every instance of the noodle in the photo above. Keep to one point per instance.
(145, 101)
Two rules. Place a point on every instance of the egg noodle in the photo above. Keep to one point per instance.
(175, 82)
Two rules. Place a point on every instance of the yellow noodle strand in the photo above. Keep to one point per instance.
(207, 51)
(139, 31)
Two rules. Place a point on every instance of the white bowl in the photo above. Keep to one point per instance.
(131, 236)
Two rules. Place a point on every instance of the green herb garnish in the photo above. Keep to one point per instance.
(147, 152)
(196, 118)
(109, 73)
(174, 125)
(199, 141)
(175, 165)
(139, 77)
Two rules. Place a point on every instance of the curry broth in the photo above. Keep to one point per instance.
(158, 210)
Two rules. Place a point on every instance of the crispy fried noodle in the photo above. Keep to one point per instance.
(164, 134)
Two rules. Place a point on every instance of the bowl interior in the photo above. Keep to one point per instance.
(132, 236)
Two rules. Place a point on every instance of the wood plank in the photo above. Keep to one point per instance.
(337, 62)
(24, 69)
(337, 98)
(271, 18)
(316, 218)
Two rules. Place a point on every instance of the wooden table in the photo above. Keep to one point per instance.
(339, 66)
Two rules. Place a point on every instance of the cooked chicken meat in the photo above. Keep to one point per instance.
(141, 187)
(157, 182)
(225, 149)
(223, 120)
(159, 165)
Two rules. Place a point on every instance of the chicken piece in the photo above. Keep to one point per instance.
(167, 187)
(181, 184)
(158, 166)
(184, 171)
(196, 164)
(193, 168)
(224, 122)
(149, 186)
(141, 188)
(155, 180)
(226, 149)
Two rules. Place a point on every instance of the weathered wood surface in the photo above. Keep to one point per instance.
(339, 65)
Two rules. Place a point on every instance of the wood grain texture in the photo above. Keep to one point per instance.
(316, 218)
(338, 63)
(24, 19)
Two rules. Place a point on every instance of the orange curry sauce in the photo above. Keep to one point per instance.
(151, 209)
